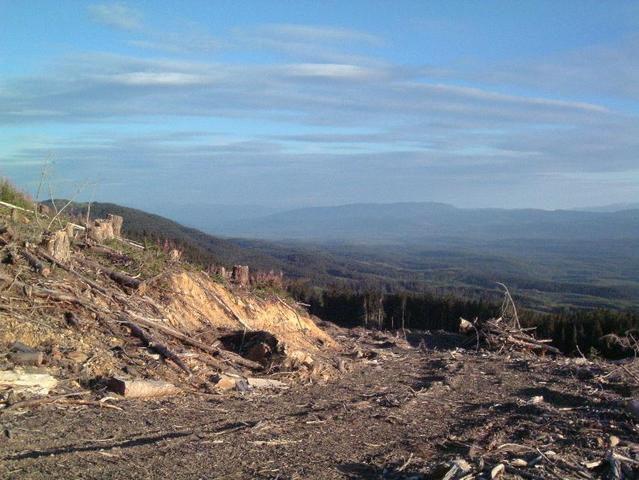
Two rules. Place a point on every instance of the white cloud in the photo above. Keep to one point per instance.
(116, 15)
(142, 79)
(310, 33)
(331, 70)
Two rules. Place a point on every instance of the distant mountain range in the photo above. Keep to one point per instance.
(613, 207)
(411, 223)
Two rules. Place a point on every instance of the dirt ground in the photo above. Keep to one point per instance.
(399, 413)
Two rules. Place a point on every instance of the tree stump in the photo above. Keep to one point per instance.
(116, 221)
(101, 230)
(240, 274)
(57, 245)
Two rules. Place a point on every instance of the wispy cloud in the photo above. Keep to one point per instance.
(605, 70)
(312, 33)
(116, 15)
(335, 115)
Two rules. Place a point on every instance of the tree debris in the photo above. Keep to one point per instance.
(130, 388)
(31, 382)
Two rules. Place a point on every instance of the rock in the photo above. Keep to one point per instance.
(580, 361)
(613, 440)
(519, 462)
(465, 326)
(77, 356)
(57, 245)
(298, 358)
(141, 388)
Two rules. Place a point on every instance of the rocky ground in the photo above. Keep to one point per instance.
(418, 410)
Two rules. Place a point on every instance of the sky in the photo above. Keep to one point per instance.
(285, 104)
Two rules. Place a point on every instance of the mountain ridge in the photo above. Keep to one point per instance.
(410, 222)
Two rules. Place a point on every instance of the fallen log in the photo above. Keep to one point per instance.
(533, 345)
(110, 252)
(233, 357)
(228, 382)
(60, 400)
(153, 344)
(35, 264)
(141, 388)
(124, 280)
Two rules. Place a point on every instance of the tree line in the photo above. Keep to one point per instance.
(572, 331)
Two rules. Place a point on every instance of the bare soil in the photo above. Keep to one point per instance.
(400, 412)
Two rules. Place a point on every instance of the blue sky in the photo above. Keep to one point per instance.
(158, 104)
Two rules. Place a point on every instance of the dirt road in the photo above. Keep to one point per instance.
(405, 417)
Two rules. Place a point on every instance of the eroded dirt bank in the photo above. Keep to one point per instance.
(405, 413)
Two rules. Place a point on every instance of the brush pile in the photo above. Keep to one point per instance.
(498, 335)
(504, 333)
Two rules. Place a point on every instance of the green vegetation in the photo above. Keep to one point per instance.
(11, 194)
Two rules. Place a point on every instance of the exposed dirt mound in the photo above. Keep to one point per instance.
(196, 302)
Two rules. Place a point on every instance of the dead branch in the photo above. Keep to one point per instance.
(67, 268)
(153, 344)
(47, 293)
(508, 308)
